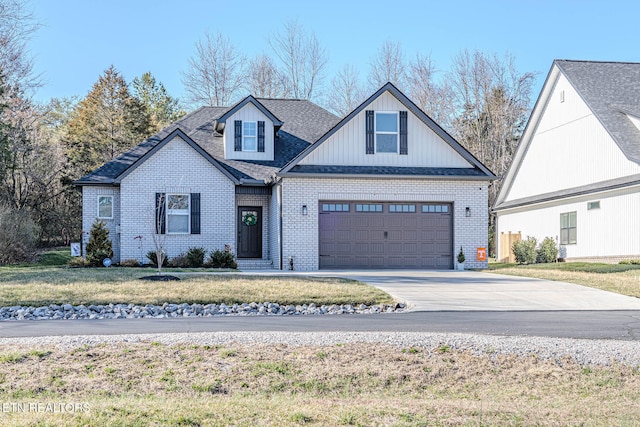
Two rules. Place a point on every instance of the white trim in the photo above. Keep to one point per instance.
(376, 132)
(98, 206)
(255, 123)
(178, 212)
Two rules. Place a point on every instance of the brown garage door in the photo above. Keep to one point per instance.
(385, 235)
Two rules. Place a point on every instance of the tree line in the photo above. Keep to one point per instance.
(483, 101)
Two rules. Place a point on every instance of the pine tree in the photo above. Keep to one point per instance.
(106, 123)
(99, 246)
(163, 109)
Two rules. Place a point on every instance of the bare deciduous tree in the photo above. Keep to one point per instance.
(303, 59)
(388, 65)
(17, 24)
(216, 72)
(433, 98)
(265, 80)
(346, 92)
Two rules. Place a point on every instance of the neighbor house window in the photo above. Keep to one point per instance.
(387, 132)
(568, 228)
(105, 207)
(249, 136)
(593, 205)
(178, 211)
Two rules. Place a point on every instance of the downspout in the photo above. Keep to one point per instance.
(279, 193)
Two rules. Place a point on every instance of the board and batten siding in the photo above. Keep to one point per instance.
(347, 145)
(176, 168)
(607, 232)
(300, 232)
(569, 148)
(248, 113)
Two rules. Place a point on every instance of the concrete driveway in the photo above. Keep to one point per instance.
(477, 291)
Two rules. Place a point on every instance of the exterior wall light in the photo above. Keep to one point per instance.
(304, 210)
(467, 212)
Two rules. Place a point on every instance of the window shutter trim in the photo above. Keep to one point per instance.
(195, 213)
(404, 143)
(261, 136)
(370, 140)
(161, 219)
(237, 146)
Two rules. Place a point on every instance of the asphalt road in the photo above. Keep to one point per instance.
(619, 325)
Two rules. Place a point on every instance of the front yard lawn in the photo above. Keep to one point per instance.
(620, 278)
(43, 286)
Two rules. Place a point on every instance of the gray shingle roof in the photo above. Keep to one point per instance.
(611, 90)
(304, 122)
(388, 170)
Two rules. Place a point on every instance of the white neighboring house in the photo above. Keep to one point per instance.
(576, 173)
(283, 180)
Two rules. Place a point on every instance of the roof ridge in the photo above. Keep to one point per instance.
(588, 61)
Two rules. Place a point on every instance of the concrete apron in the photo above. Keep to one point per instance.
(477, 291)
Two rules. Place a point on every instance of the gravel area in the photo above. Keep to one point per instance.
(584, 352)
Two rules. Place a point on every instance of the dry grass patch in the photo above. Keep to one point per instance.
(353, 384)
(623, 282)
(120, 285)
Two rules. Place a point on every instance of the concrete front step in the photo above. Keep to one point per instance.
(255, 264)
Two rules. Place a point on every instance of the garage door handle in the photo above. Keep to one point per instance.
(386, 234)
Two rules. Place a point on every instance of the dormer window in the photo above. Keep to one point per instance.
(386, 132)
(249, 136)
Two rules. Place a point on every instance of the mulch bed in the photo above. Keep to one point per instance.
(160, 278)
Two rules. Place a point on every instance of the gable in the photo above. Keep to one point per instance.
(237, 134)
(564, 146)
(347, 146)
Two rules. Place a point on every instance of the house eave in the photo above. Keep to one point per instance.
(379, 176)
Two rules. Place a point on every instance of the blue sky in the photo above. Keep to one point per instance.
(79, 39)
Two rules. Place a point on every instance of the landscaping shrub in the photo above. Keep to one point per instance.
(18, 236)
(525, 250)
(548, 251)
(151, 256)
(99, 246)
(630, 262)
(195, 257)
(77, 262)
(222, 259)
(130, 263)
(180, 261)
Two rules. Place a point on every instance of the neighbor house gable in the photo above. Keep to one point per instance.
(568, 143)
(418, 146)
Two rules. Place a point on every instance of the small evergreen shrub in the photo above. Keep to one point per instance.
(461, 256)
(525, 250)
(180, 261)
(548, 251)
(222, 259)
(99, 245)
(130, 263)
(151, 256)
(195, 257)
(630, 262)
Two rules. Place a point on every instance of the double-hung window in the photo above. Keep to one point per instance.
(568, 227)
(178, 220)
(249, 136)
(386, 132)
(105, 207)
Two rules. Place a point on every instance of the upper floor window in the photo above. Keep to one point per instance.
(178, 211)
(105, 207)
(387, 132)
(249, 136)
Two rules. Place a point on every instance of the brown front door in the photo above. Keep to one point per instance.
(249, 232)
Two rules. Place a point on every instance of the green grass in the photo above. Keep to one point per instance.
(620, 278)
(57, 285)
